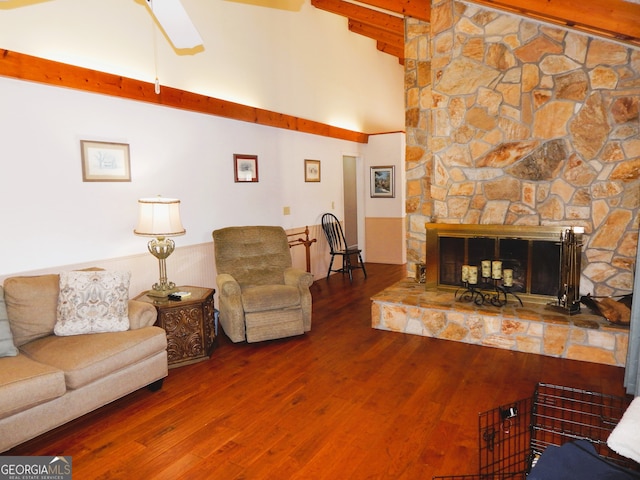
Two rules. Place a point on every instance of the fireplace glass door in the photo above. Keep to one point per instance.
(535, 263)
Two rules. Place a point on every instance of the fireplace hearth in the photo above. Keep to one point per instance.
(538, 263)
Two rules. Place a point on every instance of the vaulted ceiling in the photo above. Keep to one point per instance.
(614, 19)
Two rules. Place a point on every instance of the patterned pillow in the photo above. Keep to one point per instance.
(93, 302)
(7, 348)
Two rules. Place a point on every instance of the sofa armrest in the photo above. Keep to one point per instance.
(141, 314)
(298, 278)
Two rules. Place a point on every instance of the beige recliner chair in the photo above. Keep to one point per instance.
(261, 297)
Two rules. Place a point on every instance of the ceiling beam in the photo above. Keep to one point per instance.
(49, 72)
(391, 50)
(381, 20)
(615, 19)
(392, 38)
(387, 42)
(420, 9)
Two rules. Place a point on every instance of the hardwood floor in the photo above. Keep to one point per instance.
(344, 401)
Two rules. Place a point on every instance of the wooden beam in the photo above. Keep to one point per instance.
(616, 19)
(371, 31)
(390, 49)
(420, 9)
(381, 20)
(35, 69)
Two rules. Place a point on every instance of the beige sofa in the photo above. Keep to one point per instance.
(47, 380)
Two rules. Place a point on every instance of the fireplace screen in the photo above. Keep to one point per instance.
(539, 277)
(534, 254)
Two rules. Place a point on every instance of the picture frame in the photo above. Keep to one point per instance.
(383, 182)
(105, 161)
(245, 168)
(312, 170)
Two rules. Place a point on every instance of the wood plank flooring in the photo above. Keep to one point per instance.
(344, 401)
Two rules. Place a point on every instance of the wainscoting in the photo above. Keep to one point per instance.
(407, 307)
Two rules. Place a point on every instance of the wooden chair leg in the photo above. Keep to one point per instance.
(349, 267)
(362, 265)
(330, 265)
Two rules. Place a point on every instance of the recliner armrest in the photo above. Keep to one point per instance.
(141, 314)
(227, 285)
(298, 278)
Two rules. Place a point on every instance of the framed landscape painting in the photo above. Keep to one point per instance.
(383, 182)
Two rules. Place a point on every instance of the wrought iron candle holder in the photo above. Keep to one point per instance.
(489, 291)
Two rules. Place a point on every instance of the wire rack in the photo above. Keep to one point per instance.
(513, 436)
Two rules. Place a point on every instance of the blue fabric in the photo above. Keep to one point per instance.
(577, 460)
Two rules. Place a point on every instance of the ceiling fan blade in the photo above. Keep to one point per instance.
(175, 22)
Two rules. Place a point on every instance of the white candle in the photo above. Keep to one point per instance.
(508, 277)
(465, 273)
(473, 275)
(496, 269)
(486, 268)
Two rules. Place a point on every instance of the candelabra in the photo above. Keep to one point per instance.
(493, 288)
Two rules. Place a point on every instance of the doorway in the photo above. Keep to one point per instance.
(350, 186)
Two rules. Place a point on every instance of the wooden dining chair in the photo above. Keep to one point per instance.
(338, 247)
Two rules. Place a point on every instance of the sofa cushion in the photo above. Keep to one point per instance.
(85, 358)
(7, 348)
(93, 302)
(31, 306)
(25, 383)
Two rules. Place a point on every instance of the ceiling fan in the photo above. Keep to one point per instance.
(170, 15)
(175, 22)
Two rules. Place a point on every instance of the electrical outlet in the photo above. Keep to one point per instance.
(286, 210)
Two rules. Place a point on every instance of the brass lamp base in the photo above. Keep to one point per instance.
(161, 248)
(162, 293)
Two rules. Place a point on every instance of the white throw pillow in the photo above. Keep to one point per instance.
(93, 302)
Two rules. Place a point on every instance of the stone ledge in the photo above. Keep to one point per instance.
(407, 307)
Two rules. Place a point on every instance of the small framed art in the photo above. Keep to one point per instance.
(245, 167)
(312, 170)
(383, 182)
(105, 161)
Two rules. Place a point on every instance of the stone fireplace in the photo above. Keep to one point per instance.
(514, 122)
(510, 121)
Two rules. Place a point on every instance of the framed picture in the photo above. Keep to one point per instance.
(245, 167)
(383, 182)
(312, 170)
(105, 161)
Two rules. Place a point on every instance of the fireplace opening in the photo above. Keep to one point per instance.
(539, 277)
(537, 256)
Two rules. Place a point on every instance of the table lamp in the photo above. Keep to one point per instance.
(160, 218)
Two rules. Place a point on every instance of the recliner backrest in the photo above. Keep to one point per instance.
(253, 255)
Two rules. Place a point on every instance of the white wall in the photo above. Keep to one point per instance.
(385, 150)
(51, 218)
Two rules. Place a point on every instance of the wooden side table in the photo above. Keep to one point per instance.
(189, 323)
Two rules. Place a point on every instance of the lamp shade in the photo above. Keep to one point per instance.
(159, 217)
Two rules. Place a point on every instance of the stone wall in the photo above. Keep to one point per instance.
(511, 121)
